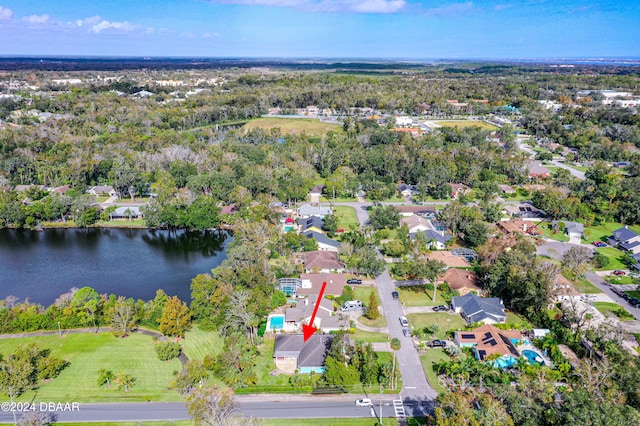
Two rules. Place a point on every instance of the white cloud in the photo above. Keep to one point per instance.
(452, 9)
(336, 6)
(5, 14)
(210, 35)
(88, 21)
(97, 24)
(37, 19)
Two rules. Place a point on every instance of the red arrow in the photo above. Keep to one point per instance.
(308, 330)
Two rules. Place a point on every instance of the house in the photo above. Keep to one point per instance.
(626, 239)
(322, 261)
(324, 242)
(407, 190)
(60, 189)
(489, 310)
(307, 210)
(132, 212)
(507, 189)
(22, 188)
(435, 240)
(416, 223)
(488, 340)
(312, 283)
(563, 289)
(315, 194)
(291, 352)
(449, 259)
(313, 223)
(517, 226)
(537, 170)
(458, 189)
(524, 211)
(428, 212)
(573, 230)
(461, 280)
(326, 319)
(102, 190)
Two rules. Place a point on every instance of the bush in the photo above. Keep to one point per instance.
(209, 362)
(599, 260)
(168, 350)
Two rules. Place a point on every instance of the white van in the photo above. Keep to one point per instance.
(351, 305)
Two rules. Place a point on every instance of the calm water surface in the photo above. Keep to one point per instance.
(129, 262)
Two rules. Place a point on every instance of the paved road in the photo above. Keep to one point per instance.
(417, 394)
(574, 172)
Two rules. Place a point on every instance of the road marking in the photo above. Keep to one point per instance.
(410, 387)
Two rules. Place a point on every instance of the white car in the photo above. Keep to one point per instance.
(404, 321)
(364, 402)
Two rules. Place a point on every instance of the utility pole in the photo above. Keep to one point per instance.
(59, 329)
(15, 422)
(380, 403)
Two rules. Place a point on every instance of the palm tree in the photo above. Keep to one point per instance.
(124, 380)
(395, 346)
(105, 376)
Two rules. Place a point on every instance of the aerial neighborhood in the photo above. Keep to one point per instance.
(463, 240)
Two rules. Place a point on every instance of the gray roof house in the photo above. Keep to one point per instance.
(309, 222)
(626, 239)
(488, 310)
(291, 352)
(126, 212)
(572, 229)
(308, 210)
(324, 243)
(435, 240)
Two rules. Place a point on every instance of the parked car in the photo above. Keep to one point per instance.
(618, 272)
(354, 281)
(437, 344)
(406, 332)
(364, 402)
(404, 321)
(395, 294)
(440, 308)
(599, 244)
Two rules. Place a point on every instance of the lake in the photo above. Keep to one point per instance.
(128, 262)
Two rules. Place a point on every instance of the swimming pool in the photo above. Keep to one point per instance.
(533, 357)
(505, 361)
(275, 322)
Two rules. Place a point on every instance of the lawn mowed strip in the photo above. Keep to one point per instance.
(603, 231)
(427, 360)
(346, 217)
(583, 285)
(615, 257)
(328, 422)
(309, 126)
(416, 296)
(198, 343)
(445, 322)
(464, 123)
(613, 309)
(88, 353)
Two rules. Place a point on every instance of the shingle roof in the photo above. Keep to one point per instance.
(624, 234)
(480, 308)
(335, 283)
(322, 260)
(311, 353)
(309, 210)
(321, 238)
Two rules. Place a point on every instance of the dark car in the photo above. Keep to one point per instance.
(599, 244)
(354, 281)
(440, 308)
(437, 344)
(619, 272)
(406, 332)
(395, 294)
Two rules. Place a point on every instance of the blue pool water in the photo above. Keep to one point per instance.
(505, 361)
(275, 322)
(531, 356)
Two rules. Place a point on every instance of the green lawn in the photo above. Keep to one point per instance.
(446, 322)
(369, 336)
(346, 217)
(197, 343)
(615, 258)
(613, 309)
(464, 123)
(416, 296)
(122, 223)
(140, 423)
(309, 126)
(428, 359)
(614, 279)
(584, 286)
(634, 293)
(380, 322)
(549, 233)
(362, 292)
(87, 353)
(519, 321)
(329, 199)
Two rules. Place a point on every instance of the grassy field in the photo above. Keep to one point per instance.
(140, 423)
(446, 322)
(584, 286)
(197, 343)
(324, 199)
(380, 322)
(309, 126)
(346, 217)
(87, 353)
(427, 360)
(615, 258)
(464, 123)
(416, 296)
(613, 309)
(522, 322)
(549, 233)
(369, 336)
(617, 280)
(602, 231)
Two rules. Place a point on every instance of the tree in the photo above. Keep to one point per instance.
(213, 407)
(330, 224)
(475, 234)
(176, 318)
(576, 261)
(384, 217)
(599, 260)
(372, 309)
(124, 381)
(123, 316)
(168, 350)
(431, 270)
(37, 418)
(105, 377)
(395, 347)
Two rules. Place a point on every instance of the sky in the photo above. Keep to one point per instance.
(397, 29)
